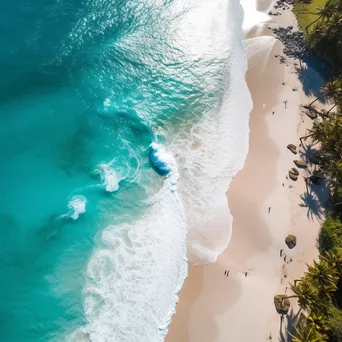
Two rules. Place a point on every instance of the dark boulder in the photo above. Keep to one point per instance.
(300, 163)
(292, 148)
(282, 304)
(291, 241)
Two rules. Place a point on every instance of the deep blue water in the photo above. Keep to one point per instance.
(83, 83)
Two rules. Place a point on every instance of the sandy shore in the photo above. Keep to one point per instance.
(266, 206)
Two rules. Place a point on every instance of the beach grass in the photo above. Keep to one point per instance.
(305, 13)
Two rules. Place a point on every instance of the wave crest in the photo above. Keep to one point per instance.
(109, 177)
(77, 206)
(120, 303)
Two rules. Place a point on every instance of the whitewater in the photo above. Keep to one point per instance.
(128, 123)
(137, 270)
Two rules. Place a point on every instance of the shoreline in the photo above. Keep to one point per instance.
(266, 207)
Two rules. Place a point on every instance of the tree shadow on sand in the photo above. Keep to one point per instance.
(311, 201)
(313, 73)
(308, 153)
(292, 320)
(316, 196)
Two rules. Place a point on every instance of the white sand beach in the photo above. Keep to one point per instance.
(266, 206)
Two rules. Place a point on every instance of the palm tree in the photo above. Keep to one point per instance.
(319, 132)
(333, 27)
(324, 276)
(315, 36)
(297, 281)
(323, 13)
(306, 294)
(307, 333)
(331, 108)
(311, 103)
(317, 320)
(332, 90)
(333, 258)
(329, 134)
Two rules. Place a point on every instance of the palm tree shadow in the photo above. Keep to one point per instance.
(308, 153)
(316, 196)
(322, 192)
(290, 329)
(313, 74)
(312, 202)
(283, 335)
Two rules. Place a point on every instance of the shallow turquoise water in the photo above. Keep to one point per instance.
(83, 83)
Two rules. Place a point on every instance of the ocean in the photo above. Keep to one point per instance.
(122, 123)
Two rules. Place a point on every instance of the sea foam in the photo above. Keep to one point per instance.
(136, 272)
(135, 277)
(258, 43)
(77, 206)
(214, 149)
(253, 18)
(109, 177)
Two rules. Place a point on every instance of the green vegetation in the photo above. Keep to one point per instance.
(319, 290)
(306, 12)
(331, 234)
(308, 333)
(321, 21)
(316, 295)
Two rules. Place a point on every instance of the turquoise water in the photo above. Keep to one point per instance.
(86, 87)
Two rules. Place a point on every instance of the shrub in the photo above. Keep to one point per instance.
(330, 236)
(335, 325)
